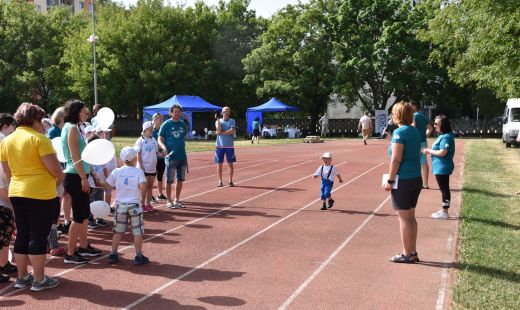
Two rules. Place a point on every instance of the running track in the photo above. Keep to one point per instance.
(264, 244)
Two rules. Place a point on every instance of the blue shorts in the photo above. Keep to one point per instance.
(179, 166)
(424, 159)
(229, 152)
(326, 188)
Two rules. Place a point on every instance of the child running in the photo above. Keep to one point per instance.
(147, 161)
(327, 173)
(130, 184)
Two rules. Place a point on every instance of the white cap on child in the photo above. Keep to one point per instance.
(326, 155)
(128, 153)
(146, 125)
(90, 128)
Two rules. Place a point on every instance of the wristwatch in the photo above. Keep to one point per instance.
(390, 182)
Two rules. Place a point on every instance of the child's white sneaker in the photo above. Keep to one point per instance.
(440, 215)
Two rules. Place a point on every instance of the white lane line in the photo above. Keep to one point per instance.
(441, 296)
(225, 252)
(300, 289)
(248, 167)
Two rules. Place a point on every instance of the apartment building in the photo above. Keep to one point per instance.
(75, 5)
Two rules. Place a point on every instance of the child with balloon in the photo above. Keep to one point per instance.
(147, 161)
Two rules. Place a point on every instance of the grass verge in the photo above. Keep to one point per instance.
(488, 268)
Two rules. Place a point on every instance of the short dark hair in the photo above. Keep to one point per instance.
(445, 126)
(96, 108)
(28, 113)
(94, 137)
(175, 106)
(72, 109)
(6, 120)
(257, 119)
(415, 104)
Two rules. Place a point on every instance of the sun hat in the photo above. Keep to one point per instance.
(46, 120)
(90, 128)
(128, 153)
(146, 125)
(326, 155)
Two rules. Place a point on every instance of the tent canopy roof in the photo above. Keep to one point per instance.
(188, 104)
(273, 105)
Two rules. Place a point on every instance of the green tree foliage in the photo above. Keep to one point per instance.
(294, 59)
(477, 41)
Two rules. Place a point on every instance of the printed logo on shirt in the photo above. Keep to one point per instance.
(447, 145)
(396, 136)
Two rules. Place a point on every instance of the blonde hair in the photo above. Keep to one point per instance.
(57, 116)
(403, 113)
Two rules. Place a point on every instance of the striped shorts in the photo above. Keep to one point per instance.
(126, 212)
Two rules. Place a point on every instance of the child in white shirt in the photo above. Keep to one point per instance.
(130, 184)
(327, 172)
(147, 161)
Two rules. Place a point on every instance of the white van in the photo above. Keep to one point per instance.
(511, 122)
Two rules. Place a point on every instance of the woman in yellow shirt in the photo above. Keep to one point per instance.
(30, 164)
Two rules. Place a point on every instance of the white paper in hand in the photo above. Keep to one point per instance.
(385, 179)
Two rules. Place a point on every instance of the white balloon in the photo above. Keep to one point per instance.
(105, 118)
(98, 152)
(205, 130)
(58, 147)
(99, 209)
(193, 132)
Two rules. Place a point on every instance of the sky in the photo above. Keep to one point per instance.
(265, 8)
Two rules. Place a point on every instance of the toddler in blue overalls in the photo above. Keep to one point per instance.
(327, 173)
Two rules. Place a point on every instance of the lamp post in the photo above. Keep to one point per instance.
(93, 40)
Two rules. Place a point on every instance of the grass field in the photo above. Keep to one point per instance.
(205, 145)
(488, 271)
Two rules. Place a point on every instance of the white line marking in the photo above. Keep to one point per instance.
(223, 253)
(213, 175)
(441, 296)
(300, 289)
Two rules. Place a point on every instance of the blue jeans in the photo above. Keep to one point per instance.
(179, 166)
(326, 188)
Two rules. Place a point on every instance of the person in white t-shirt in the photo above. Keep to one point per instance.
(327, 172)
(130, 185)
(147, 161)
(324, 122)
(365, 126)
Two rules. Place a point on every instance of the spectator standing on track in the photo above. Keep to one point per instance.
(324, 123)
(257, 128)
(405, 170)
(157, 121)
(365, 126)
(442, 152)
(130, 184)
(76, 182)
(147, 161)
(7, 126)
(423, 125)
(327, 172)
(226, 127)
(172, 139)
(33, 170)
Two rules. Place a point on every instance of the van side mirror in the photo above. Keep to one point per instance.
(504, 119)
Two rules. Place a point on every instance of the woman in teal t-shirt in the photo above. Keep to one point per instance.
(442, 152)
(405, 170)
(256, 130)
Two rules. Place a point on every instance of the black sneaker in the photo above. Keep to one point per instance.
(331, 203)
(154, 200)
(92, 225)
(323, 207)
(8, 268)
(64, 228)
(101, 222)
(75, 259)
(141, 260)
(89, 251)
(162, 197)
(4, 279)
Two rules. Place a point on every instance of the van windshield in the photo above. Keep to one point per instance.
(515, 115)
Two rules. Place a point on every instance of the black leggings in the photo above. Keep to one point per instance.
(160, 169)
(34, 218)
(444, 185)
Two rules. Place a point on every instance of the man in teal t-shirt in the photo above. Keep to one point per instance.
(172, 139)
(423, 126)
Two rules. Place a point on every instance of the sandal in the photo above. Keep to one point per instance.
(402, 259)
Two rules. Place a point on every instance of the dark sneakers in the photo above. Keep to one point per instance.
(8, 268)
(323, 207)
(331, 203)
(113, 258)
(4, 279)
(89, 251)
(141, 260)
(64, 228)
(75, 259)
(162, 197)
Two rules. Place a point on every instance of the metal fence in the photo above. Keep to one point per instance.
(337, 127)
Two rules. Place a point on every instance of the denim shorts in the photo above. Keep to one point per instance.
(228, 152)
(179, 166)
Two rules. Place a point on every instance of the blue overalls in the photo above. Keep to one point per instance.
(326, 184)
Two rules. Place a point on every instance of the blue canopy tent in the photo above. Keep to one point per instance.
(189, 105)
(272, 105)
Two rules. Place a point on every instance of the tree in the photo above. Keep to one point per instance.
(294, 61)
(477, 42)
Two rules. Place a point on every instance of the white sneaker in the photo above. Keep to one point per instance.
(440, 215)
(170, 205)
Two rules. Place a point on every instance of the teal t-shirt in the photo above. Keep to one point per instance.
(226, 140)
(69, 165)
(410, 167)
(54, 132)
(174, 135)
(255, 125)
(420, 123)
(444, 164)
